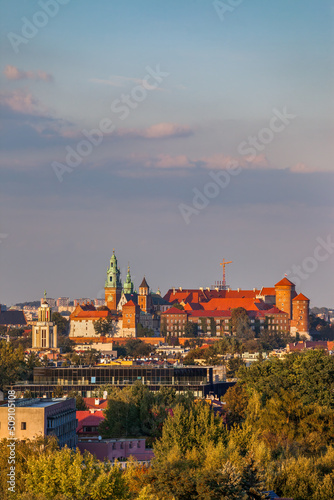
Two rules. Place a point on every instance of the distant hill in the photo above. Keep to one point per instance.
(34, 303)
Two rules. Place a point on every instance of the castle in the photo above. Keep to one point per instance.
(277, 308)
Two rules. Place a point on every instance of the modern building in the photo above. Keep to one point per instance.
(63, 302)
(87, 380)
(41, 417)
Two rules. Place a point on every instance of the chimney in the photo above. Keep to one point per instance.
(97, 402)
(208, 289)
(180, 288)
(173, 291)
(238, 289)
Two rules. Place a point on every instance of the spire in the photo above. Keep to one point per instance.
(113, 273)
(128, 285)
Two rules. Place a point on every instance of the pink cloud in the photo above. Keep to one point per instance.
(168, 161)
(19, 100)
(13, 73)
(157, 131)
(301, 168)
(221, 161)
(161, 130)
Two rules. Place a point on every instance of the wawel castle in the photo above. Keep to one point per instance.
(275, 308)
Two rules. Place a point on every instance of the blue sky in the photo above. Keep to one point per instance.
(225, 79)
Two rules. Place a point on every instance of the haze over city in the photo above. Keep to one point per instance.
(207, 135)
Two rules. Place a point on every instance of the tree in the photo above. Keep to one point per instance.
(188, 429)
(80, 404)
(61, 322)
(12, 364)
(236, 399)
(105, 327)
(240, 323)
(65, 344)
(191, 329)
(233, 365)
(75, 476)
(310, 374)
(144, 331)
(136, 347)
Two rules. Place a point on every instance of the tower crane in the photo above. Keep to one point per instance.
(224, 263)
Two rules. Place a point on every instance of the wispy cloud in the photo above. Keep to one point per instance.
(157, 131)
(13, 73)
(124, 81)
(20, 101)
(301, 168)
(168, 161)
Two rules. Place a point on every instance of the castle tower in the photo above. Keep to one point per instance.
(44, 331)
(113, 285)
(285, 292)
(300, 314)
(144, 298)
(130, 317)
(128, 285)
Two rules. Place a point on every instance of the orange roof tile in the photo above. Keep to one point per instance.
(266, 290)
(174, 310)
(301, 297)
(285, 282)
(130, 303)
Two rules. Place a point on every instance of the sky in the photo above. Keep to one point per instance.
(179, 133)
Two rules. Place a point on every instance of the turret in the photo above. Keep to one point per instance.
(285, 292)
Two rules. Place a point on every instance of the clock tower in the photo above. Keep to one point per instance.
(113, 285)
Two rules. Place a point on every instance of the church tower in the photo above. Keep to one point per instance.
(113, 285)
(128, 285)
(44, 331)
(144, 298)
(285, 292)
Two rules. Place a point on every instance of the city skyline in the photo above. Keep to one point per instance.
(179, 133)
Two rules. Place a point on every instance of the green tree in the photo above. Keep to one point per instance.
(12, 364)
(105, 327)
(240, 323)
(65, 344)
(61, 322)
(80, 404)
(191, 329)
(233, 366)
(75, 476)
(236, 399)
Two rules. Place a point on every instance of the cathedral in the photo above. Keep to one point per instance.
(124, 308)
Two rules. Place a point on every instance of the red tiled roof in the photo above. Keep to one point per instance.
(174, 310)
(275, 310)
(301, 297)
(266, 290)
(90, 403)
(285, 282)
(130, 303)
(86, 418)
(227, 304)
(92, 314)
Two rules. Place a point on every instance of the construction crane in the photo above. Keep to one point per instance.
(224, 263)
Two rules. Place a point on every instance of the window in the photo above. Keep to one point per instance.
(23, 426)
(43, 337)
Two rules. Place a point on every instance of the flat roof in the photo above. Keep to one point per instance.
(36, 402)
